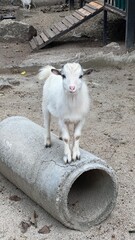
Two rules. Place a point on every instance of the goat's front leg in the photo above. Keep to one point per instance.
(77, 133)
(66, 138)
(29, 6)
(47, 134)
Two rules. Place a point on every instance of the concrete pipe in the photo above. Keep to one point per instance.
(79, 195)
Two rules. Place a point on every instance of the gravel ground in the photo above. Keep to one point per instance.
(108, 132)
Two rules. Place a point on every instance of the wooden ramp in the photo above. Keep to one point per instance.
(67, 24)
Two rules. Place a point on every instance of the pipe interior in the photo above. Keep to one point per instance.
(90, 195)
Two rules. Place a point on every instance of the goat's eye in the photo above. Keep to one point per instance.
(80, 76)
(63, 76)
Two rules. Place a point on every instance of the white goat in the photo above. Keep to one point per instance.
(65, 95)
(26, 3)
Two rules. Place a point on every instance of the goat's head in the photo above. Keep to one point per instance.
(72, 74)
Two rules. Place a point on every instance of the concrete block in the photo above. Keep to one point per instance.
(79, 195)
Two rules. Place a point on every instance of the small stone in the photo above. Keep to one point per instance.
(113, 45)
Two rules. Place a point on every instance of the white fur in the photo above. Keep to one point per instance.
(66, 97)
(26, 3)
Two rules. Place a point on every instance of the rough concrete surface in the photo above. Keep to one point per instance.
(108, 131)
(67, 191)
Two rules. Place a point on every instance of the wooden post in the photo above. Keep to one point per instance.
(130, 24)
(105, 26)
(71, 4)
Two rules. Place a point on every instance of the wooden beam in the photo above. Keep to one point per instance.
(71, 4)
(105, 28)
(130, 24)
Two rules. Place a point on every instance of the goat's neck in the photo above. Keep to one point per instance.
(72, 99)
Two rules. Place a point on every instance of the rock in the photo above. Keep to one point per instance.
(113, 45)
(4, 84)
(16, 31)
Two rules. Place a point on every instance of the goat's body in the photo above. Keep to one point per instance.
(68, 107)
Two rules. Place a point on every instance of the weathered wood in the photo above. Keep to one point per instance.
(115, 10)
(55, 30)
(62, 25)
(49, 33)
(69, 19)
(39, 40)
(130, 24)
(74, 19)
(44, 37)
(36, 42)
(90, 10)
(58, 27)
(80, 13)
(78, 16)
(67, 23)
(83, 11)
(71, 4)
(105, 28)
(33, 44)
(95, 5)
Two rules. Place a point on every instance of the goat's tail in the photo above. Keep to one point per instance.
(45, 72)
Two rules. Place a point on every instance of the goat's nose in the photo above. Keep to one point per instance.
(72, 88)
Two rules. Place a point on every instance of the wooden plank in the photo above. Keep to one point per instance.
(86, 13)
(44, 37)
(78, 16)
(39, 40)
(33, 44)
(63, 27)
(55, 30)
(75, 20)
(95, 5)
(49, 33)
(88, 9)
(67, 23)
(100, 4)
(58, 27)
(36, 41)
(115, 10)
(80, 13)
(69, 19)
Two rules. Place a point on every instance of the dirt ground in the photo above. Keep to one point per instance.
(109, 132)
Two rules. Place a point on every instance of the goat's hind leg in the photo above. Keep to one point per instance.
(47, 134)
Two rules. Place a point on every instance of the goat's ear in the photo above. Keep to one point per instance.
(87, 71)
(55, 71)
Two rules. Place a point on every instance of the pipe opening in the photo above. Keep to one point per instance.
(90, 195)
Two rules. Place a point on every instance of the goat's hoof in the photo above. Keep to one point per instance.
(48, 145)
(78, 157)
(67, 159)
